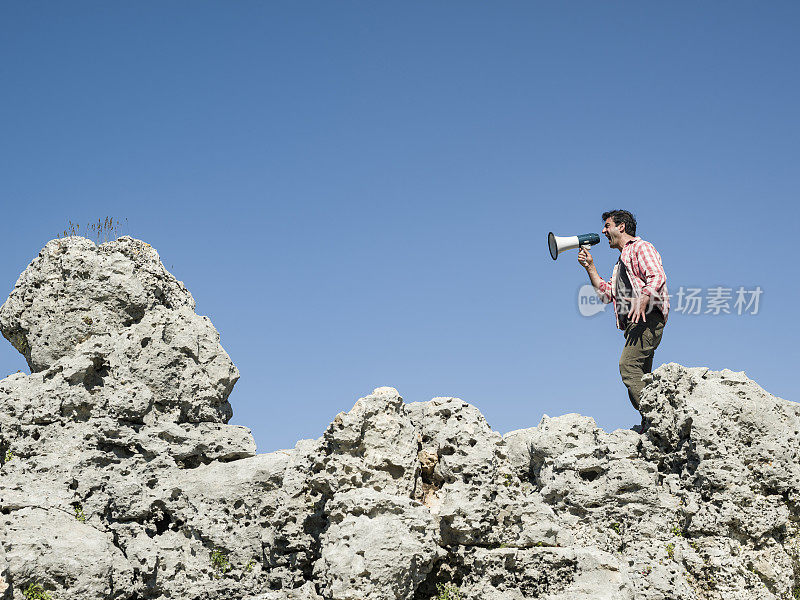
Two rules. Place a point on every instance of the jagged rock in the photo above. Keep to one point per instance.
(5, 576)
(376, 546)
(729, 451)
(74, 290)
(472, 486)
(374, 445)
(121, 479)
(547, 573)
(306, 592)
(54, 549)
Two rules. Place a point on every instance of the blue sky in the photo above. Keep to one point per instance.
(358, 194)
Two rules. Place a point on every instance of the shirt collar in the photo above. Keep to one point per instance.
(625, 247)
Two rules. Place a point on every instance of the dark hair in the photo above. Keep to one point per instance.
(622, 216)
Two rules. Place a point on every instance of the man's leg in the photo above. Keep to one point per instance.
(641, 341)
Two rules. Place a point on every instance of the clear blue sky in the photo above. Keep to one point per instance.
(358, 194)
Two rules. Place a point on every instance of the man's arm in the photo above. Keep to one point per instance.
(654, 278)
(603, 288)
(652, 269)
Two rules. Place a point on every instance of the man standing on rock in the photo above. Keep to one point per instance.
(638, 289)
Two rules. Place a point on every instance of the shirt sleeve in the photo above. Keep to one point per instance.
(652, 270)
(604, 291)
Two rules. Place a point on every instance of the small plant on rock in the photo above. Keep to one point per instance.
(103, 230)
(447, 591)
(79, 515)
(249, 566)
(676, 530)
(617, 527)
(671, 550)
(71, 230)
(220, 562)
(35, 591)
(8, 456)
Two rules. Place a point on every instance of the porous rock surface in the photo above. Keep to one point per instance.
(121, 478)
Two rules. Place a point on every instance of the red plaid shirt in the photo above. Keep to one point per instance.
(646, 274)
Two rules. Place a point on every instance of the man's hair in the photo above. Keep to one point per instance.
(622, 216)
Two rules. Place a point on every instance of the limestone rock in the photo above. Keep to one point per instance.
(472, 486)
(121, 479)
(377, 547)
(548, 573)
(52, 548)
(75, 290)
(373, 445)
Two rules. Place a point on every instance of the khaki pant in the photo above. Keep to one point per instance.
(641, 341)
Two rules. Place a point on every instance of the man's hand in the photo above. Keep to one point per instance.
(638, 308)
(585, 258)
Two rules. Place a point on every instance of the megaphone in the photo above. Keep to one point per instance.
(558, 244)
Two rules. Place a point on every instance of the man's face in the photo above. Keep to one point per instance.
(612, 231)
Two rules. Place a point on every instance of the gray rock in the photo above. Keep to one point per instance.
(377, 547)
(75, 290)
(120, 477)
(306, 592)
(52, 548)
(471, 484)
(548, 573)
(374, 445)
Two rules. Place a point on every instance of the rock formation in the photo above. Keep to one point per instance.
(121, 478)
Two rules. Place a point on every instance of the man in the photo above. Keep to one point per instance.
(638, 289)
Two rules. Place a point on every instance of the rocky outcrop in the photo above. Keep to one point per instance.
(121, 478)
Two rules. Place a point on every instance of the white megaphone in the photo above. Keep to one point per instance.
(558, 244)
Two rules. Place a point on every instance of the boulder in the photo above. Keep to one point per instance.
(121, 479)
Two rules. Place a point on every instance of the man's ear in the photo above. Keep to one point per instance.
(621, 227)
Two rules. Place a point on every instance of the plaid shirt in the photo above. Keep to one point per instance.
(646, 274)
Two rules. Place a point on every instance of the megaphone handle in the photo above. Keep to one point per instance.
(585, 247)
